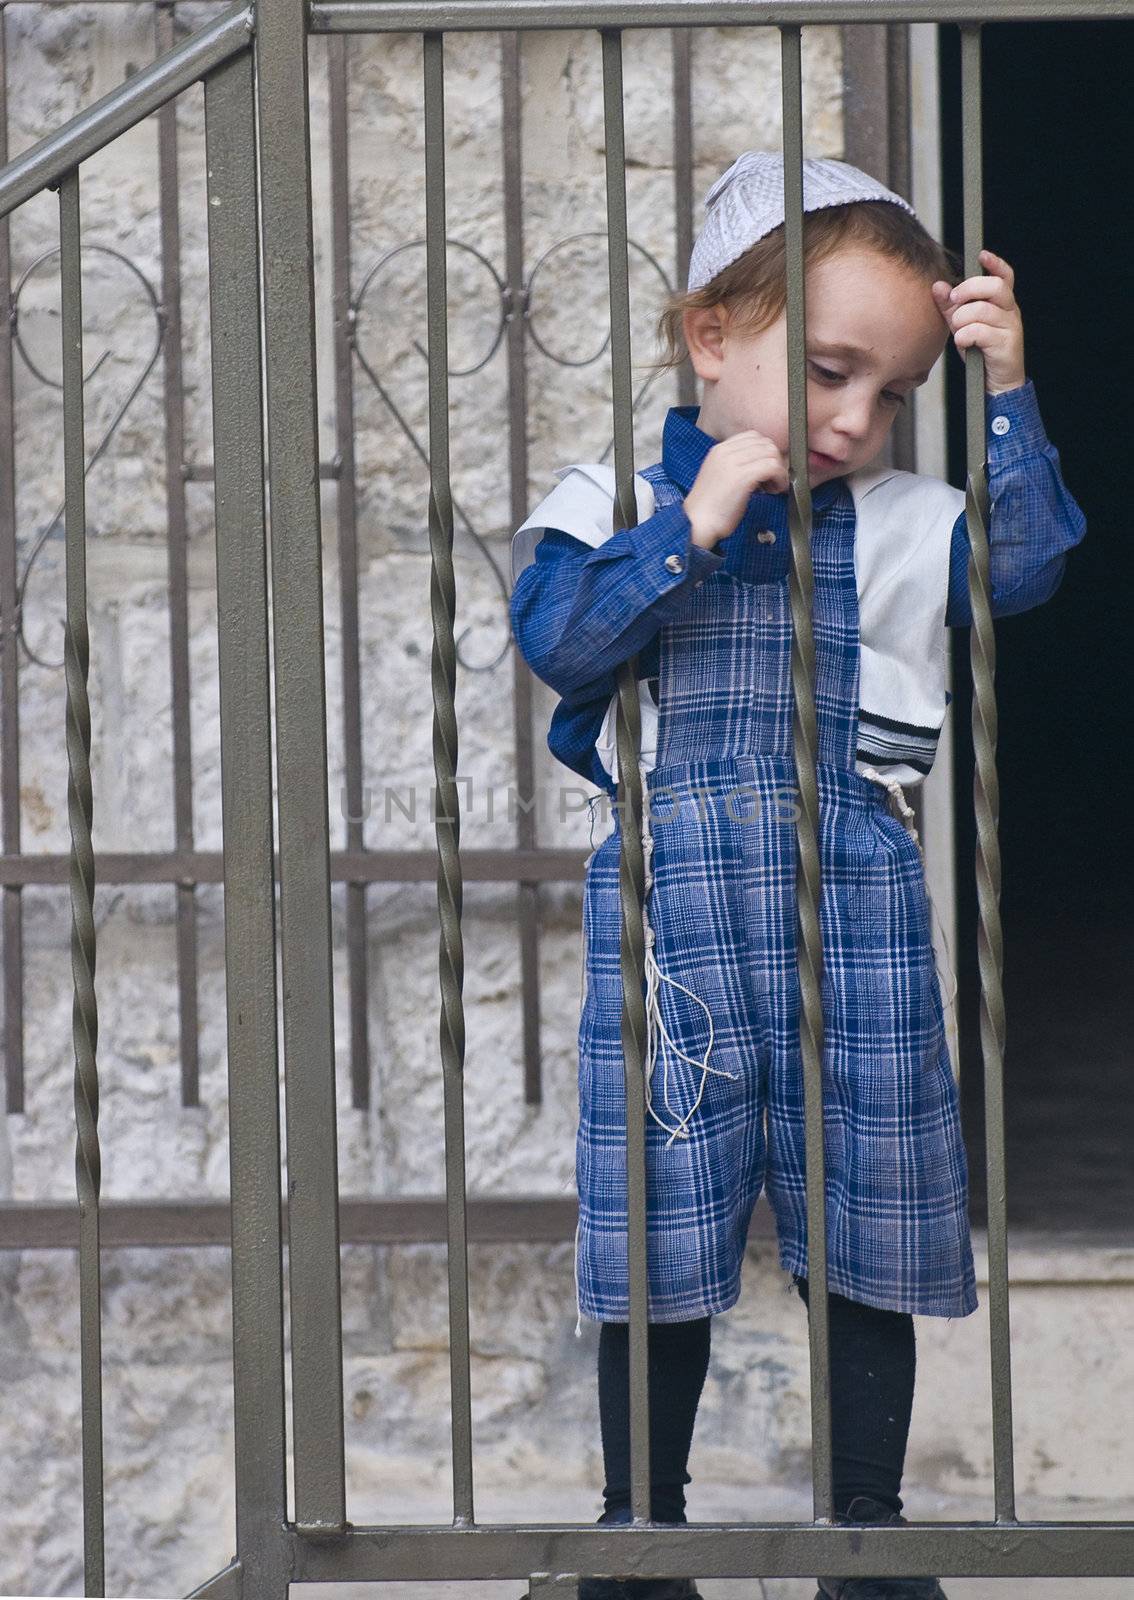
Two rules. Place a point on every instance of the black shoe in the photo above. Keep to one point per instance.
(637, 1589)
(864, 1511)
(633, 1588)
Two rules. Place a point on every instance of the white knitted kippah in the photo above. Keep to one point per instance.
(747, 201)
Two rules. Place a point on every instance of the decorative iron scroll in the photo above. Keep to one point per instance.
(500, 296)
(53, 528)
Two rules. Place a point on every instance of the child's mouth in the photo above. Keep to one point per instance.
(818, 459)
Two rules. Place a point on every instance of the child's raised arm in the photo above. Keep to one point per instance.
(1033, 517)
(578, 613)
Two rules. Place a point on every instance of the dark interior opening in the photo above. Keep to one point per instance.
(1056, 159)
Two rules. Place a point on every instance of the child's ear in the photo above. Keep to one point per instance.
(704, 329)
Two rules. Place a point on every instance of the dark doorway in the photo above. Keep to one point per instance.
(1056, 152)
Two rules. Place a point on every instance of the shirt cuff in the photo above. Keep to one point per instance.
(1014, 428)
(666, 559)
(686, 565)
(702, 562)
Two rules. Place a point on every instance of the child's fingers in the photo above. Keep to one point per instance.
(749, 449)
(940, 292)
(747, 460)
(994, 286)
(746, 441)
(984, 334)
(980, 311)
(762, 466)
(998, 265)
(998, 290)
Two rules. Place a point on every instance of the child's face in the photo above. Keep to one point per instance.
(873, 334)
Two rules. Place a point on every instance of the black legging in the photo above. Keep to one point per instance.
(872, 1383)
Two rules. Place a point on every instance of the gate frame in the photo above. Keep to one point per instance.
(266, 44)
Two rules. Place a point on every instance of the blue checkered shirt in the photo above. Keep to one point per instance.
(578, 613)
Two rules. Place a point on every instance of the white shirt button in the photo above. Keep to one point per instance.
(766, 536)
(674, 564)
(1000, 424)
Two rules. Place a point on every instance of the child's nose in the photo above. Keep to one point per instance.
(853, 416)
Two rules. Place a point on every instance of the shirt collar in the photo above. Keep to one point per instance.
(685, 446)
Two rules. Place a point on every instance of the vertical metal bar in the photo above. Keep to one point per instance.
(632, 874)
(442, 600)
(898, 147)
(13, 948)
(806, 746)
(986, 799)
(174, 396)
(899, 162)
(527, 894)
(682, 45)
(80, 810)
(346, 504)
(865, 73)
(876, 137)
(301, 760)
(246, 797)
(938, 829)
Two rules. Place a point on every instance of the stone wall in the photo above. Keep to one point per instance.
(167, 1324)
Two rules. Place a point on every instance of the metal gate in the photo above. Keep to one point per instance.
(253, 63)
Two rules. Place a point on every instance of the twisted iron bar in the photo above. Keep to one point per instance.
(631, 858)
(805, 741)
(986, 788)
(451, 960)
(80, 810)
(990, 960)
(986, 803)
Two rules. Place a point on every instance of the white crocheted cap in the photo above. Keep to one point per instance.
(747, 201)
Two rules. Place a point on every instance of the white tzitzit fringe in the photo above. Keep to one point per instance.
(907, 816)
(906, 813)
(656, 1029)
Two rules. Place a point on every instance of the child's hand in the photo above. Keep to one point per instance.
(730, 474)
(983, 312)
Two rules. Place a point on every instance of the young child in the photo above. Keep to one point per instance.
(699, 592)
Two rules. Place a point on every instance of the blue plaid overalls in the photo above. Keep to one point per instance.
(722, 907)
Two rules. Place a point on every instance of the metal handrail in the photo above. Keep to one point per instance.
(458, 16)
(45, 164)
